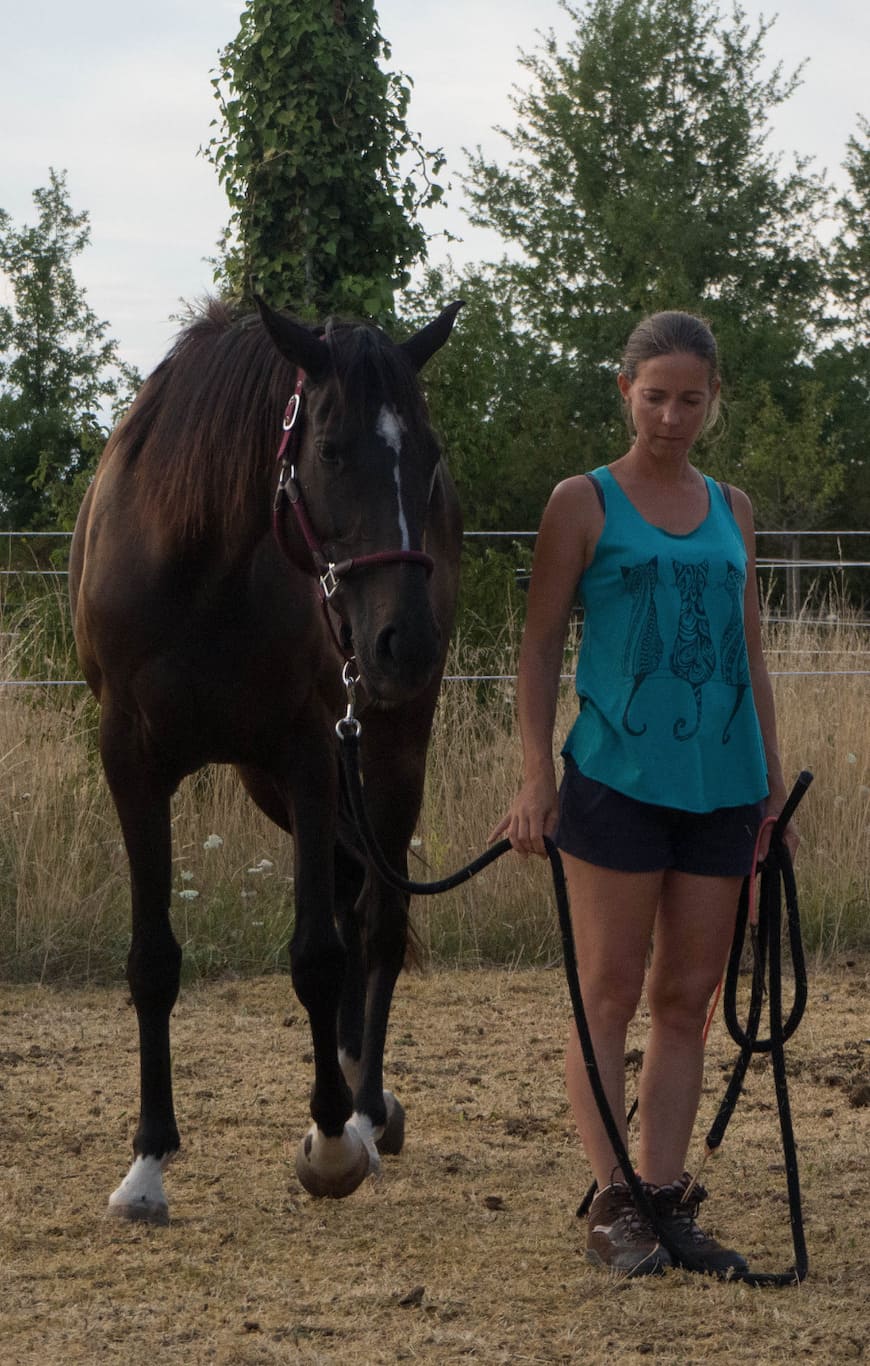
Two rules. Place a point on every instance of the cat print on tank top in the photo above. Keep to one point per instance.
(663, 672)
(732, 649)
(693, 657)
(644, 646)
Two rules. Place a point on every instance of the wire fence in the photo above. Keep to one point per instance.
(793, 565)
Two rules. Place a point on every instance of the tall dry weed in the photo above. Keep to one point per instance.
(64, 898)
(821, 681)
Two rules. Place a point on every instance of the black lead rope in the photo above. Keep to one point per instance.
(777, 871)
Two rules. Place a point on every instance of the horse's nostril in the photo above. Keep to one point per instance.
(386, 647)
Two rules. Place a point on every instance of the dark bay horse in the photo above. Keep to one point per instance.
(202, 624)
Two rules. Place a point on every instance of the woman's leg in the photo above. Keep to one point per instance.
(612, 915)
(693, 932)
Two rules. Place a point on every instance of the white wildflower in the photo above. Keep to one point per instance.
(212, 842)
(189, 894)
(264, 866)
(186, 876)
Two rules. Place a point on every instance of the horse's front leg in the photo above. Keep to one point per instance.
(377, 1110)
(334, 1157)
(153, 970)
(393, 770)
(364, 1010)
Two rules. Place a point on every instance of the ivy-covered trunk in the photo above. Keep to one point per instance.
(310, 148)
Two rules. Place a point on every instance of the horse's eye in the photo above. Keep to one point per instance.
(327, 451)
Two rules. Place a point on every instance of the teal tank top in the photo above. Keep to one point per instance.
(666, 708)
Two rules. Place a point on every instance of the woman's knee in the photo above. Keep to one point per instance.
(679, 1002)
(611, 1001)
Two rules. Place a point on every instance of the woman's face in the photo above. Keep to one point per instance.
(669, 398)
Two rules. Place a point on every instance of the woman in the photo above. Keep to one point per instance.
(670, 767)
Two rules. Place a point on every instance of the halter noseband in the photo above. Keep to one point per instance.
(329, 573)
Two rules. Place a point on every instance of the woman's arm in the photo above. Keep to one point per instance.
(569, 528)
(762, 691)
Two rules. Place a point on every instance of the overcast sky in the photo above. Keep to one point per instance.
(119, 96)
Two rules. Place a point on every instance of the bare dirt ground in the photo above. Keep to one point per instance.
(467, 1249)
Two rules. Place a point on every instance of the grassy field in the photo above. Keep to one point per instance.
(63, 875)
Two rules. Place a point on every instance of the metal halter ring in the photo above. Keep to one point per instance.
(349, 725)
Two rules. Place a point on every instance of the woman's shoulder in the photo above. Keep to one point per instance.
(738, 501)
(578, 491)
(572, 521)
(740, 506)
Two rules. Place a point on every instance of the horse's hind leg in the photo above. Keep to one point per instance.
(142, 798)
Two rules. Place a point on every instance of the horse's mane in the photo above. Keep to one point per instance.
(204, 429)
(205, 424)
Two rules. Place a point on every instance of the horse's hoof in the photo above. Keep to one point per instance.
(332, 1167)
(142, 1212)
(140, 1197)
(392, 1140)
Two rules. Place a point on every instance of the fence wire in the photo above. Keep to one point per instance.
(771, 563)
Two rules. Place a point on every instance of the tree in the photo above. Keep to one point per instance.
(58, 367)
(843, 368)
(792, 466)
(310, 150)
(508, 428)
(639, 180)
(850, 276)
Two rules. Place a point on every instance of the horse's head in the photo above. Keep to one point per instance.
(366, 463)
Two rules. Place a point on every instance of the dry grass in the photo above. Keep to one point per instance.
(63, 876)
(467, 1250)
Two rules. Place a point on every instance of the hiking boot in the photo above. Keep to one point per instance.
(675, 1216)
(620, 1238)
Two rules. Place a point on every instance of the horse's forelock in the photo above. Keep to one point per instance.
(369, 370)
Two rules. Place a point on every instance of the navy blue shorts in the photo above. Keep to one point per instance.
(611, 830)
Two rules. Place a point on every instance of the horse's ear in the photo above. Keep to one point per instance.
(423, 345)
(297, 343)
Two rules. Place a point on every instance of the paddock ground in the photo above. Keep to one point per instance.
(466, 1250)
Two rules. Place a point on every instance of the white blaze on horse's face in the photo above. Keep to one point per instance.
(389, 429)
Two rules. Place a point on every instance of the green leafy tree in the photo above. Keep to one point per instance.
(792, 466)
(500, 403)
(843, 368)
(505, 416)
(59, 371)
(850, 276)
(639, 180)
(312, 149)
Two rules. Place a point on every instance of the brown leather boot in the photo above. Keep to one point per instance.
(620, 1238)
(676, 1215)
